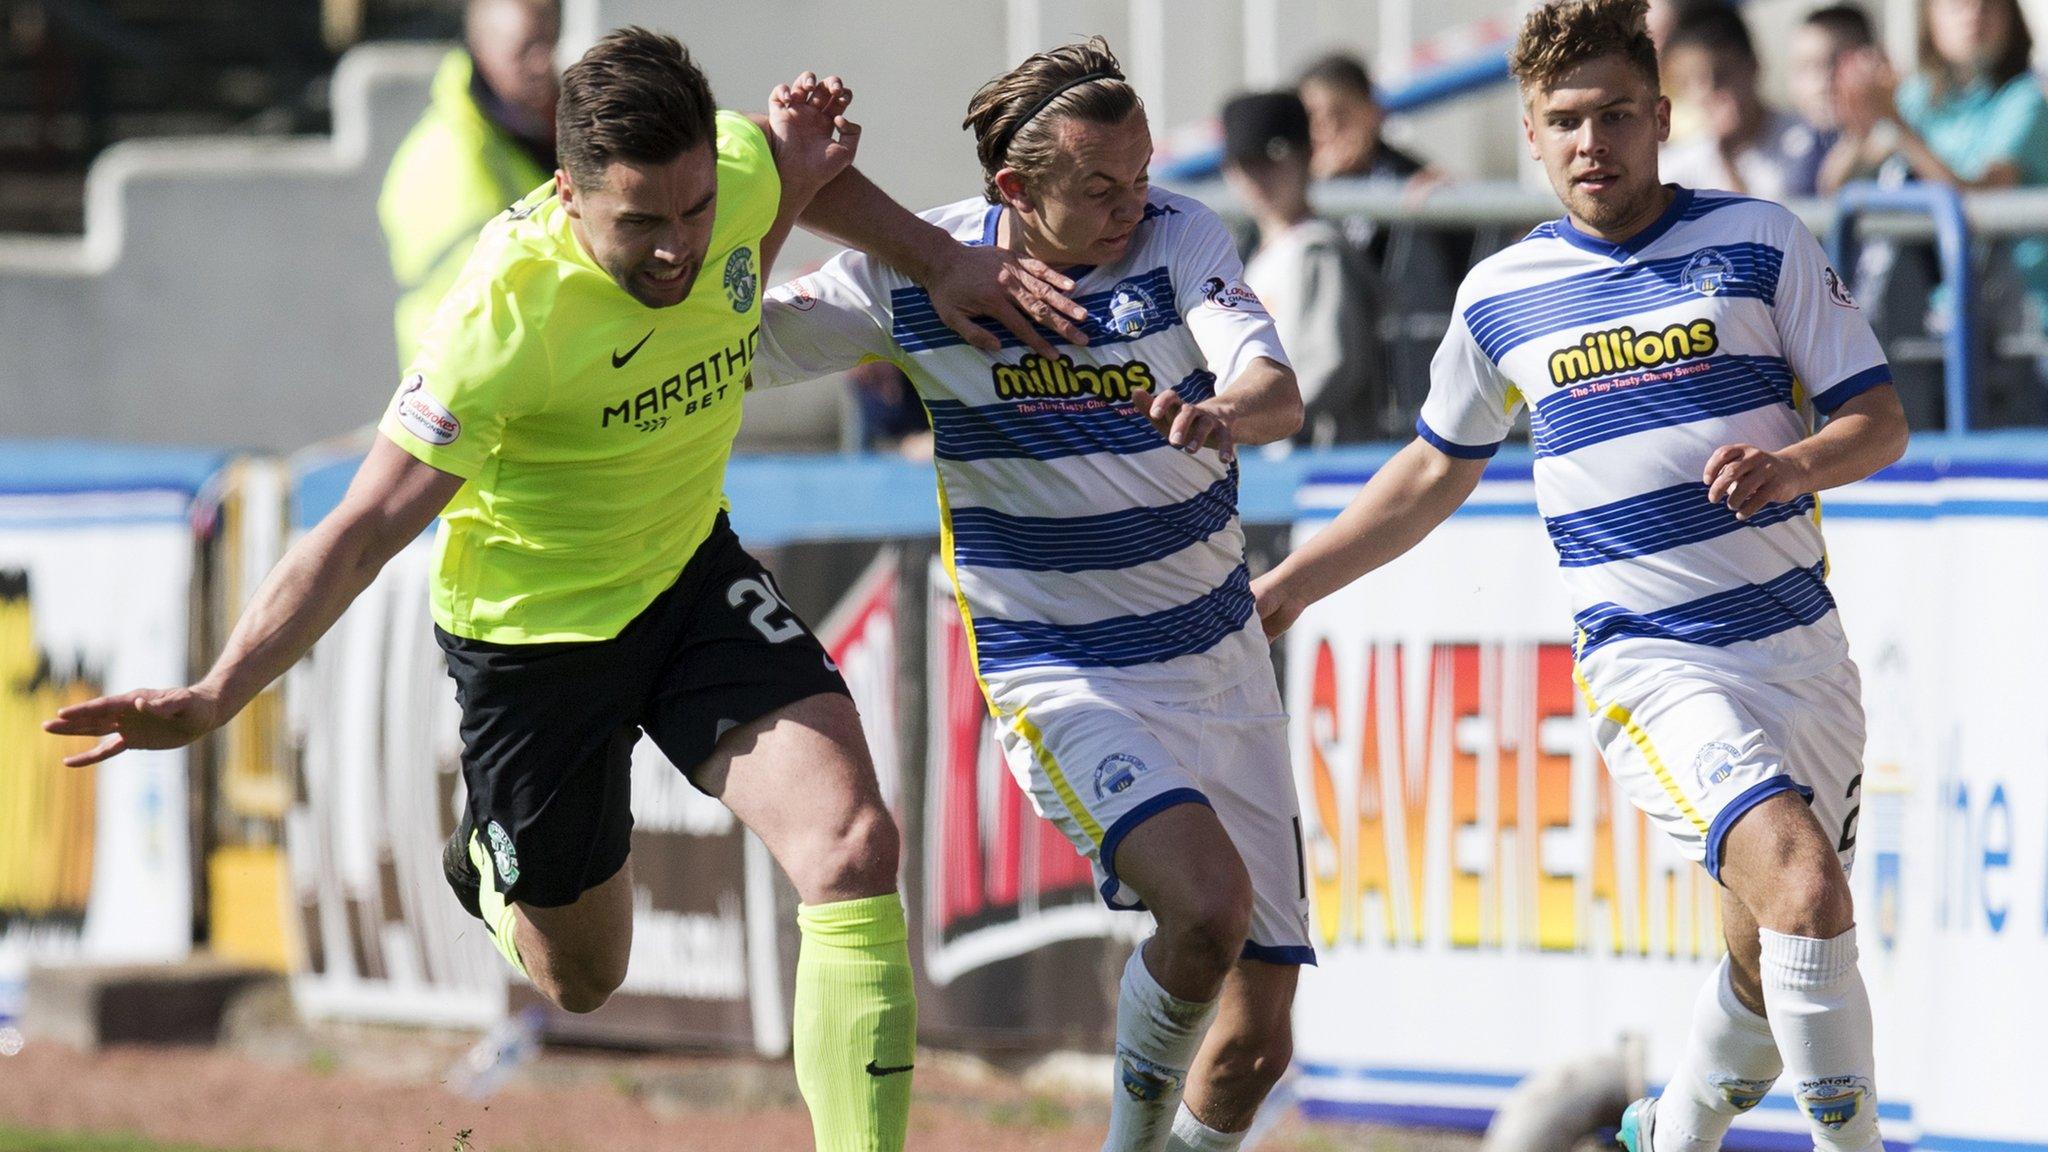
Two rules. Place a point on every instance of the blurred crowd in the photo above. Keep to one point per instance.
(1966, 111)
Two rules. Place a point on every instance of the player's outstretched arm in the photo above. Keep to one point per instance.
(1407, 498)
(965, 281)
(391, 501)
(1867, 433)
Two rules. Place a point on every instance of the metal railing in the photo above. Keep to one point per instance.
(1954, 224)
(1942, 206)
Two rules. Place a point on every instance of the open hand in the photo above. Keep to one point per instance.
(1747, 479)
(1866, 91)
(814, 141)
(1188, 427)
(144, 718)
(1015, 291)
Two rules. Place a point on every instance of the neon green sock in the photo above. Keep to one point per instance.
(855, 1023)
(491, 902)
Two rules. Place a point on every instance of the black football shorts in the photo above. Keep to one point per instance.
(548, 729)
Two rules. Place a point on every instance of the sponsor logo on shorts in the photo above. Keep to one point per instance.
(798, 295)
(1117, 772)
(1832, 1101)
(1743, 1094)
(424, 416)
(1143, 1080)
(1714, 763)
(504, 857)
(740, 281)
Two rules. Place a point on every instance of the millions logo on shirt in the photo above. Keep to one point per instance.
(741, 284)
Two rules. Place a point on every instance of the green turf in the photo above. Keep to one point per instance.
(30, 1140)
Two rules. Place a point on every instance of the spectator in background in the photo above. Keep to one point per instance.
(889, 416)
(1820, 44)
(1310, 279)
(487, 139)
(1345, 118)
(1745, 146)
(1972, 116)
(1664, 17)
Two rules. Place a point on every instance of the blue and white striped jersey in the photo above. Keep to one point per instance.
(1080, 542)
(1721, 323)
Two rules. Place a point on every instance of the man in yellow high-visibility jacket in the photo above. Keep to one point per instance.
(487, 138)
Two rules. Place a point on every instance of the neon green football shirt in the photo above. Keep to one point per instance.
(593, 431)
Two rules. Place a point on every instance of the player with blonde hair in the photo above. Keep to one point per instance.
(1089, 505)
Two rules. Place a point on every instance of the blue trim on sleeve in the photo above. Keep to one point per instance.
(1280, 953)
(1452, 448)
(1826, 402)
(1114, 838)
(1736, 809)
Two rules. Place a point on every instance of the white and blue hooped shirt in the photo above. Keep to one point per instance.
(1721, 323)
(1081, 543)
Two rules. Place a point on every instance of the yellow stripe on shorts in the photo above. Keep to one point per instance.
(1047, 761)
(1641, 739)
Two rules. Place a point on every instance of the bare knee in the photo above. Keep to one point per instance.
(856, 859)
(1785, 870)
(580, 986)
(1249, 1064)
(1206, 924)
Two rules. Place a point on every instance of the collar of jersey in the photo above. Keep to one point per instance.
(991, 218)
(1634, 244)
(565, 239)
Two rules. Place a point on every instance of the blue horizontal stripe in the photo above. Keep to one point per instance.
(1452, 447)
(1499, 324)
(1411, 1075)
(1413, 1115)
(1750, 612)
(986, 538)
(1847, 390)
(1934, 1142)
(915, 325)
(1574, 418)
(1653, 522)
(1013, 430)
(1120, 641)
(1297, 954)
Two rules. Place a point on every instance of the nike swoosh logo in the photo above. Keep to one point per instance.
(619, 361)
(875, 1069)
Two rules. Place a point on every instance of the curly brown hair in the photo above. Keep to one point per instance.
(1016, 127)
(1564, 34)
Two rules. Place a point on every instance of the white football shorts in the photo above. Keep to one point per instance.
(1696, 749)
(1097, 758)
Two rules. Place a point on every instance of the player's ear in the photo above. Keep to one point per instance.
(565, 188)
(1015, 192)
(1529, 134)
(1663, 118)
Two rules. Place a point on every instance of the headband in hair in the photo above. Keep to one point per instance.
(1002, 148)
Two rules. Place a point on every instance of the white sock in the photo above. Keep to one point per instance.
(1191, 1135)
(1730, 1061)
(1820, 1013)
(1157, 1034)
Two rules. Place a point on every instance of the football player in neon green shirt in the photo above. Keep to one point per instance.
(569, 416)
